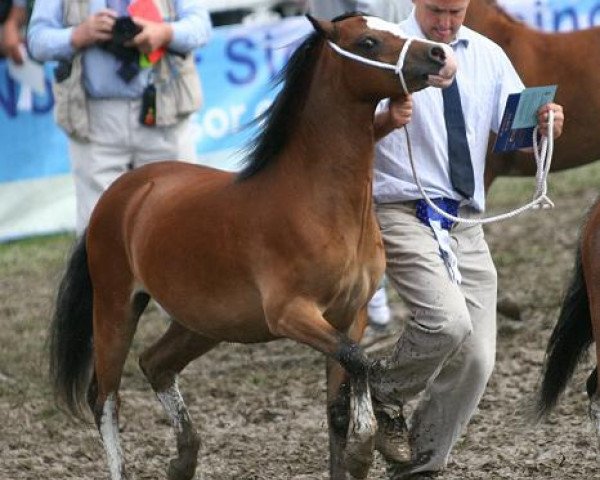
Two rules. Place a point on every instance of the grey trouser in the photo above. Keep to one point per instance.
(447, 349)
(119, 142)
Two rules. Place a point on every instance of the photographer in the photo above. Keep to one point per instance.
(117, 114)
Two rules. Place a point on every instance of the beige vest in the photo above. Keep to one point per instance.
(178, 90)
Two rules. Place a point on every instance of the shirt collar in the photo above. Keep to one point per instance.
(411, 27)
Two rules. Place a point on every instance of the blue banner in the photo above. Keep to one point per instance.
(555, 15)
(237, 71)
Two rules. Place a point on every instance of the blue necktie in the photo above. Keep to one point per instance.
(461, 168)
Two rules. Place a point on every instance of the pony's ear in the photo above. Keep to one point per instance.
(323, 27)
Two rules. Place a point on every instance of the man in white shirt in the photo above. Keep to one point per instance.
(443, 271)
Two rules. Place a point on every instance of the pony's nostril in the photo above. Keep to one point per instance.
(438, 54)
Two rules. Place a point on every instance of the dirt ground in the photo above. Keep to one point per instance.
(260, 408)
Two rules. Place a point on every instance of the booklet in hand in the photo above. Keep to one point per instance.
(520, 118)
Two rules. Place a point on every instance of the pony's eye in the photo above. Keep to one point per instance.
(368, 43)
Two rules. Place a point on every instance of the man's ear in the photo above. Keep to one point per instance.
(323, 27)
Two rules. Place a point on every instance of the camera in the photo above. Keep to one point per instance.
(123, 31)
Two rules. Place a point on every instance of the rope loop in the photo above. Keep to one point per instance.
(543, 157)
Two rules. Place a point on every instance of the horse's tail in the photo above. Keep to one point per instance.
(568, 343)
(70, 336)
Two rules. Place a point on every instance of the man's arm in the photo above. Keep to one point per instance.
(47, 37)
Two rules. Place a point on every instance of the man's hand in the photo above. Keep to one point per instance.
(11, 34)
(400, 111)
(397, 115)
(12, 43)
(543, 116)
(95, 28)
(153, 35)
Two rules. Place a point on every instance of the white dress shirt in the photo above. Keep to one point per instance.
(485, 79)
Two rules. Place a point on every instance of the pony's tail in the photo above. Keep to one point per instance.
(70, 336)
(568, 343)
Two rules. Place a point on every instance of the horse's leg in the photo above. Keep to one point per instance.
(115, 322)
(593, 387)
(360, 439)
(301, 320)
(338, 411)
(591, 269)
(161, 363)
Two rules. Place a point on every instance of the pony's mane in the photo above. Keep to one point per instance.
(278, 121)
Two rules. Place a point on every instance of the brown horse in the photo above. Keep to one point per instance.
(565, 59)
(578, 325)
(288, 248)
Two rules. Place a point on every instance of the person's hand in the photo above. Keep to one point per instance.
(12, 42)
(543, 115)
(153, 35)
(95, 28)
(398, 114)
(400, 111)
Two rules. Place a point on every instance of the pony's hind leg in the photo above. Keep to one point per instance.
(161, 363)
(115, 323)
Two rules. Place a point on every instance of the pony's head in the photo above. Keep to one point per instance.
(371, 42)
(394, 64)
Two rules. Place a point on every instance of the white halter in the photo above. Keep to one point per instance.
(397, 68)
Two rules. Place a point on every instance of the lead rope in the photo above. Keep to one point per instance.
(543, 157)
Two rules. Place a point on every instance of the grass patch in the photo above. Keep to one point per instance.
(513, 191)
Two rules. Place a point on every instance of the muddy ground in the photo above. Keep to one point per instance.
(260, 409)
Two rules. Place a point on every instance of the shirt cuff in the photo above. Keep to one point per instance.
(64, 47)
(189, 34)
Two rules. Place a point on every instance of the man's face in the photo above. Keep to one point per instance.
(440, 19)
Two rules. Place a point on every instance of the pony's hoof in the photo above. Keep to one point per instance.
(359, 455)
(180, 469)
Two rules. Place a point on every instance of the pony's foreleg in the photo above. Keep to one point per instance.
(161, 363)
(338, 411)
(301, 320)
(360, 440)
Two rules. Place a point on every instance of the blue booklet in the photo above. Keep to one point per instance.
(520, 118)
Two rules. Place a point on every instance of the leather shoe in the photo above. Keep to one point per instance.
(391, 439)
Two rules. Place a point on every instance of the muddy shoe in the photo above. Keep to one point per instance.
(402, 473)
(391, 439)
(359, 457)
